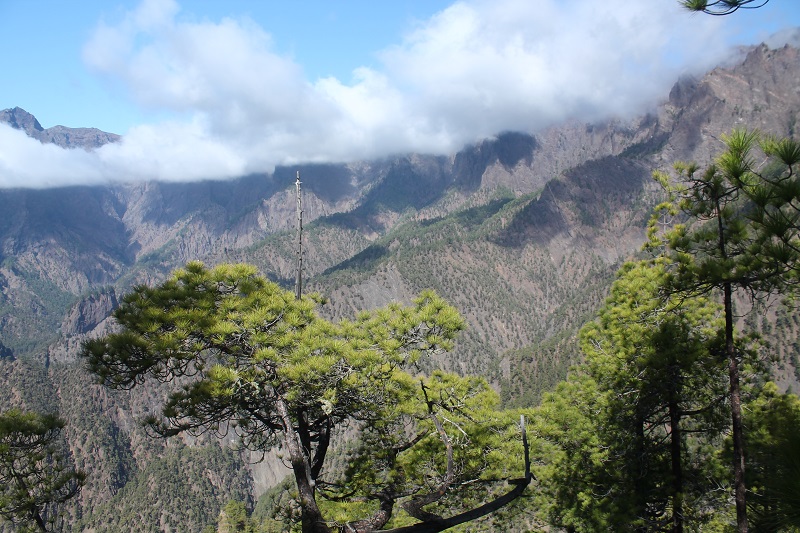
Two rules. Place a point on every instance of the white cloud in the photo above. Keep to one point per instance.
(25, 162)
(473, 70)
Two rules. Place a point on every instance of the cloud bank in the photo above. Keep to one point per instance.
(476, 69)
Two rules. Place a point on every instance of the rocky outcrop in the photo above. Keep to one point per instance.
(87, 314)
(762, 92)
(90, 317)
(20, 119)
(85, 138)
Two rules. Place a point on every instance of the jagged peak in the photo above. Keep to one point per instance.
(86, 138)
(20, 119)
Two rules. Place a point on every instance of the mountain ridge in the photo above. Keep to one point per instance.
(78, 239)
(85, 138)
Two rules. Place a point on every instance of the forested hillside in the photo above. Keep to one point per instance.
(522, 234)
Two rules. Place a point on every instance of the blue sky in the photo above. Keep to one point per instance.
(45, 73)
(207, 89)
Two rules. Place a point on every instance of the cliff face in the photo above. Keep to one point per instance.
(763, 92)
(20, 119)
(90, 316)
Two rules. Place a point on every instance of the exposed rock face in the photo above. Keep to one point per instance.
(86, 138)
(87, 314)
(90, 317)
(763, 92)
(73, 236)
(20, 119)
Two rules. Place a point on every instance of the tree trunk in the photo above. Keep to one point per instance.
(311, 517)
(436, 526)
(376, 521)
(37, 518)
(312, 520)
(677, 468)
(740, 492)
(34, 512)
(640, 493)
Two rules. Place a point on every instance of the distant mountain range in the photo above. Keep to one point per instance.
(522, 233)
(86, 138)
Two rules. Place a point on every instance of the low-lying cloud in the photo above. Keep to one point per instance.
(477, 68)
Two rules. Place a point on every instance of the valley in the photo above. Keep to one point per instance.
(522, 233)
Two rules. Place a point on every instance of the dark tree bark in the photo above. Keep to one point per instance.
(435, 526)
(737, 431)
(312, 520)
(677, 467)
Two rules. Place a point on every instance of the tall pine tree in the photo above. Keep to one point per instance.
(651, 388)
(740, 232)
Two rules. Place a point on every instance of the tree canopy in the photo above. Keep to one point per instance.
(636, 438)
(619, 430)
(246, 356)
(773, 440)
(35, 477)
(740, 231)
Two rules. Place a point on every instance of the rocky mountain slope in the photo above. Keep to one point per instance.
(522, 233)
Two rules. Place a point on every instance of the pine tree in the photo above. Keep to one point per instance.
(741, 233)
(35, 477)
(652, 383)
(245, 355)
(773, 439)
